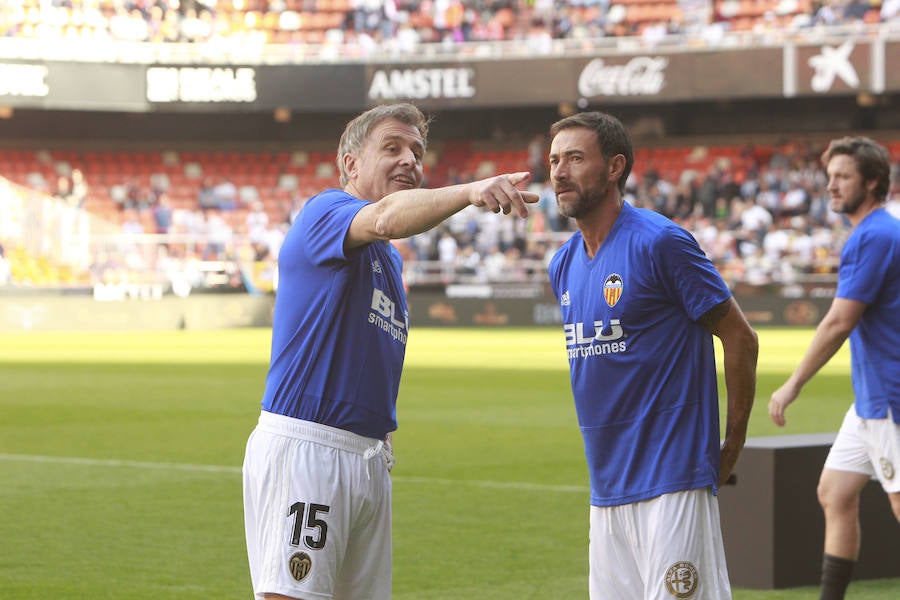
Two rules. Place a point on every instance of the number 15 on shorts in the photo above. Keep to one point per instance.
(306, 520)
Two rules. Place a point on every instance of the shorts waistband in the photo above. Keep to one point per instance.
(315, 432)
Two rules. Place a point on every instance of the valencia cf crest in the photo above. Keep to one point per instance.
(300, 564)
(612, 289)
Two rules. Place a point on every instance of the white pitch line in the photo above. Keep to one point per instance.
(98, 462)
(134, 464)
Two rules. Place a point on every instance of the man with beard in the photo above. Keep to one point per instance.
(317, 492)
(641, 303)
(866, 308)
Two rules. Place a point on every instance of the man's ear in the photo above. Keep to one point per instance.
(616, 166)
(349, 162)
(871, 185)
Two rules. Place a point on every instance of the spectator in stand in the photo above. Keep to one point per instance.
(447, 249)
(469, 263)
(827, 14)
(206, 197)
(219, 234)
(494, 263)
(795, 200)
(707, 192)
(225, 195)
(769, 196)
(257, 223)
(162, 213)
(79, 189)
(548, 204)
(63, 191)
(756, 220)
(855, 10)
(131, 222)
(890, 11)
(135, 197)
(537, 158)
(5, 268)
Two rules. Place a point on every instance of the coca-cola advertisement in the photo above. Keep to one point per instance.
(640, 76)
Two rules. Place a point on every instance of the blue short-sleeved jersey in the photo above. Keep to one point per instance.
(643, 370)
(340, 324)
(870, 273)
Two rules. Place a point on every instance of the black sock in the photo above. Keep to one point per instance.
(836, 573)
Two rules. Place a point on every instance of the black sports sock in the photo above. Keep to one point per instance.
(836, 573)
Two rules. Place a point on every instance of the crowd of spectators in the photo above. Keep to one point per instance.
(762, 217)
(761, 213)
(360, 26)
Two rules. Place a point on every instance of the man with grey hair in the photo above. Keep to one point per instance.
(317, 490)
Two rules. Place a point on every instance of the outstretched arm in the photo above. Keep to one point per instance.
(740, 347)
(408, 212)
(830, 335)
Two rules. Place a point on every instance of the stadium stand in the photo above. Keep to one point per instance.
(364, 23)
(203, 196)
(712, 190)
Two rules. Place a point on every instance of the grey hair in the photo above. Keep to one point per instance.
(358, 130)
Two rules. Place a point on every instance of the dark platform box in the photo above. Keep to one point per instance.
(773, 525)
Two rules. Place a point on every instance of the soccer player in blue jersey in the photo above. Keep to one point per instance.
(317, 493)
(641, 303)
(866, 308)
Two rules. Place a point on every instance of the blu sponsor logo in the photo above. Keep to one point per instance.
(582, 345)
(384, 316)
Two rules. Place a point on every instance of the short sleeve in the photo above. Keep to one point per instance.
(689, 276)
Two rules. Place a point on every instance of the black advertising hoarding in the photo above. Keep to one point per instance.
(304, 88)
(333, 87)
(142, 88)
(849, 68)
(72, 86)
(95, 86)
(477, 84)
(649, 77)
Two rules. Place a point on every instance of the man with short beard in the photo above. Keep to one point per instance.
(641, 303)
(866, 308)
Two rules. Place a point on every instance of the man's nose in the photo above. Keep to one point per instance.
(408, 157)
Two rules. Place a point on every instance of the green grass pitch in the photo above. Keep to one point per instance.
(120, 463)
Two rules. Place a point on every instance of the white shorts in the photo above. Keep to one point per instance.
(659, 549)
(317, 512)
(869, 447)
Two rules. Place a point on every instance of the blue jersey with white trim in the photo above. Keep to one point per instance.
(870, 273)
(643, 370)
(340, 324)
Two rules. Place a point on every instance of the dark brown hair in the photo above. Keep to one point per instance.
(611, 137)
